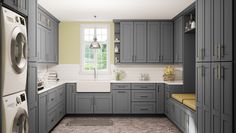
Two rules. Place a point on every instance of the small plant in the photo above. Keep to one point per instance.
(119, 74)
(169, 73)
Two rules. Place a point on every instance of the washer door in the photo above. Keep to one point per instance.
(18, 50)
(20, 124)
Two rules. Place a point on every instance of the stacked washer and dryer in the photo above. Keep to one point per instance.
(13, 54)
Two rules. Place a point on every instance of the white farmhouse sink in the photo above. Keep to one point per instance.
(93, 86)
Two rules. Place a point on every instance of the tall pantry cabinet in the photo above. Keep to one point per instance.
(214, 67)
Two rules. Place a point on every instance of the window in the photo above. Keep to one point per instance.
(95, 58)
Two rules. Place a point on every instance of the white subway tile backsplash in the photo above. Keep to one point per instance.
(132, 72)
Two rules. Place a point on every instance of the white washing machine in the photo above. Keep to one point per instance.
(15, 113)
(13, 52)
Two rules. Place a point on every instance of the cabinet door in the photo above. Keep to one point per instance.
(32, 90)
(204, 30)
(102, 103)
(84, 103)
(54, 42)
(70, 98)
(154, 42)
(33, 120)
(178, 40)
(127, 42)
(121, 101)
(32, 31)
(222, 101)
(140, 42)
(43, 113)
(203, 88)
(160, 96)
(223, 30)
(167, 42)
(226, 98)
(41, 43)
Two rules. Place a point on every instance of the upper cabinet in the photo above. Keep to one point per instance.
(47, 37)
(127, 42)
(167, 42)
(178, 40)
(215, 32)
(154, 42)
(133, 42)
(21, 6)
(146, 42)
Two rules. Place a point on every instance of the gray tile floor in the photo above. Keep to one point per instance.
(119, 125)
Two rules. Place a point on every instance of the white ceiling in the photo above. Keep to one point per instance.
(106, 10)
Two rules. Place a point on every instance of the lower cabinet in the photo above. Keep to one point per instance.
(51, 108)
(33, 120)
(182, 116)
(121, 101)
(143, 107)
(93, 103)
(160, 98)
(70, 98)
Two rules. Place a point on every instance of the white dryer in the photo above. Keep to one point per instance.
(15, 113)
(13, 52)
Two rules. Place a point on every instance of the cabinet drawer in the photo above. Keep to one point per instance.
(143, 86)
(61, 93)
(52, 118)
(51, 99)
(143, 95)
(120, 86)
(143, 107)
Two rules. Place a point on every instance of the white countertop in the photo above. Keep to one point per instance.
(177, 82)
(51, 85)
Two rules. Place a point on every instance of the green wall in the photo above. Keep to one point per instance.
(69, 42)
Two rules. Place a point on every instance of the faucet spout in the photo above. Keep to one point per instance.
(95, 73)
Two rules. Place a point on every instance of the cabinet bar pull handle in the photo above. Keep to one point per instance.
(121, 91)
(218, 48)
(203, 71)
(222, 51)
(144, 109)
(219, 71)
(222, 72)
(144, 96)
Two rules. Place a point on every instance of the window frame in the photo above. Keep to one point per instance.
(82, 49)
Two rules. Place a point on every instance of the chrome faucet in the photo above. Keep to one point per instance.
(95, 73)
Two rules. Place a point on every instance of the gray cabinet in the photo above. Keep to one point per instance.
(33, 120)
(222, 37)
(215, 32)
(167, 42)
(32, 97)
(222, 100)
(93, 103)
(18, 5)
(203, 90)
(203, 45)
(51, 108)
(140, 42)
(47, 37)
(153, 42)
(127, 42)
(133, 42)
(143, 107)
(84, 103)
(70, 98)
(32, 31)
(160, 98)
(178, 40)
(102, 103)
(43, 113)
(121, 101)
